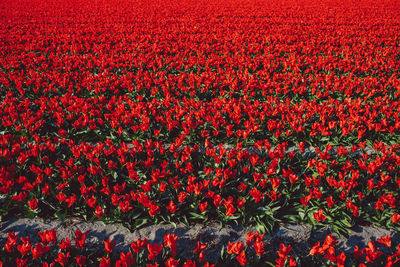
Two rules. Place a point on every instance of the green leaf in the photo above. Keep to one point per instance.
(173, 223)
(197, 216)
(269, 263)
(137, 215)
(185, 221)
(260, 228)
(222, 252)
(60, 215)
(221, 225)
(31, 214)
(346, 223)
(291, 218)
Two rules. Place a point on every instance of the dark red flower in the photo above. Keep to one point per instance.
(154, 250)
(65, 244)
(33, 204)
(319, 216)
(171, 262)
(62, 258)
(39, 250)
(80, 260)
(235, 248)
(108, 245)
(241, 258)
(105, 262)
(385, 240)
(170, 241)
(80, 238)
(26, 245)
(48, 236)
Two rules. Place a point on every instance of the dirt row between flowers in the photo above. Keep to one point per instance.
(300, 237)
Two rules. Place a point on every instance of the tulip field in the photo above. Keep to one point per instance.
(237, 112)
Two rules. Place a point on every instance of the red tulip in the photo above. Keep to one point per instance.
(319, 216)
